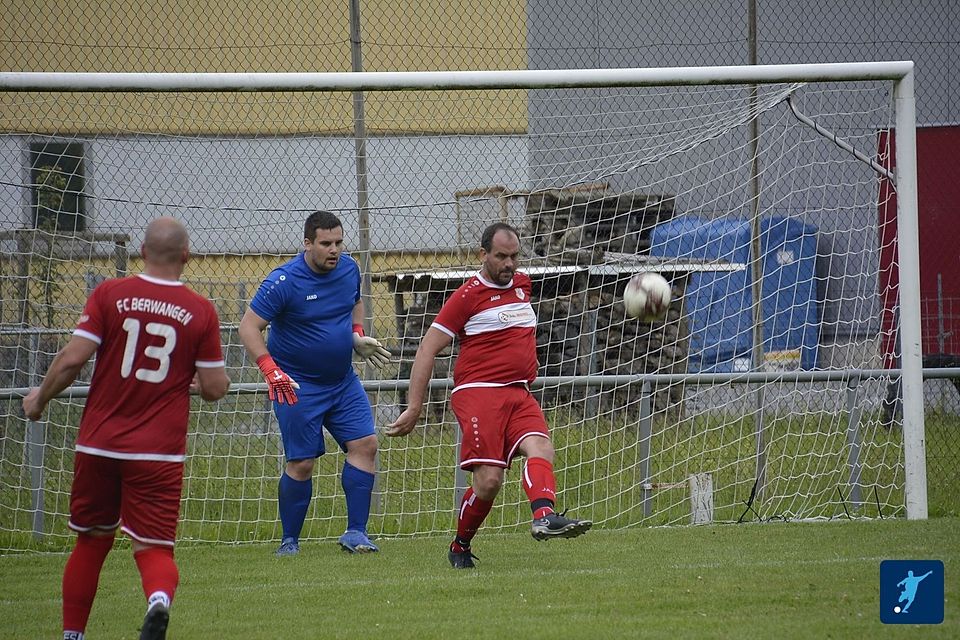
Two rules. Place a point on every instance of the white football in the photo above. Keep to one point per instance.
(647, 297)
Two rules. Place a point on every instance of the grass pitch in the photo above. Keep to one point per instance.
(784, 580)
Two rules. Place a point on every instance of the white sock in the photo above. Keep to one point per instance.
(73, 635)
(157, 597)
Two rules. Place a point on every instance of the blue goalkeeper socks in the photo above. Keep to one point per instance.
(357, 488)
(293, 497)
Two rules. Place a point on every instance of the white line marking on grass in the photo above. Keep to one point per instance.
(776, 563)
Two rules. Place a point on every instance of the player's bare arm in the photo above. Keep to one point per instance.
(62, 372)
(251, 333)
(433, 343)
(280, 386)
(212, 382)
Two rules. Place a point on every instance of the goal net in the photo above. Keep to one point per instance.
(762, 394)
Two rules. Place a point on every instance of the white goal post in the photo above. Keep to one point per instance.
(754, 398)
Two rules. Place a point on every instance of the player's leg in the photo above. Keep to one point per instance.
(910, 597)
(95, 516)
(538, 480)
(302, 436)
(350, 422)
(159, 576)
(81, 577)
(482, 418)
(357, 479)
(294, 491)
(474, 508)
(150, 509)
(528, 435)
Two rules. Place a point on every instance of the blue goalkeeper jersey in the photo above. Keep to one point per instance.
(311, 318)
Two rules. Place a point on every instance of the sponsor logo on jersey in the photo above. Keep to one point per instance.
(312, 296)
(509, 317)
(494, 298)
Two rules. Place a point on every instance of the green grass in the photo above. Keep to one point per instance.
(230, 479)
(784, 580)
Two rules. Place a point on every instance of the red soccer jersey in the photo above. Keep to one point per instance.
(497, 328)
(152, 336)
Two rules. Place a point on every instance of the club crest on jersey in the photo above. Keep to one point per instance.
(520, 293)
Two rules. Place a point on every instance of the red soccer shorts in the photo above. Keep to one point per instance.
(493, 422)
(143, 494)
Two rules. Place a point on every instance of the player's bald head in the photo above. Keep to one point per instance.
(166, 241)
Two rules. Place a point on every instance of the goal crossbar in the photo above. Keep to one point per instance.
(425, 80)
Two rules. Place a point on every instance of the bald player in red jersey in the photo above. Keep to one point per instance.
(154, 339)
(492, 316)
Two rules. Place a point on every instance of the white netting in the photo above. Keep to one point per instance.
(602, 183)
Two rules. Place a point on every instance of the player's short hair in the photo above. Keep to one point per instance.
(486, 240)
(319, 220)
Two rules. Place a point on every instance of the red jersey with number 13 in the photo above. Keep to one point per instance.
(152, 334)
(497, 328)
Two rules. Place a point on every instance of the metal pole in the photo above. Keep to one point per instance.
(593, 400)
(853, 442)
(756, 252)
(34, 444)
(363, 219)
(460, 483)
(646, 417)
(360, 149)
(908, 255)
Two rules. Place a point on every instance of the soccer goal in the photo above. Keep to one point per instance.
(754, 190)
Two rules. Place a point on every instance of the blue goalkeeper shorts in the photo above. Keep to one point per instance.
(343, 409)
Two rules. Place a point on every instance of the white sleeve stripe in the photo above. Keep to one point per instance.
(440, 327)
(86, 334)
(209, 364)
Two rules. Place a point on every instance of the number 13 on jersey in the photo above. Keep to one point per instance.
(161, 353)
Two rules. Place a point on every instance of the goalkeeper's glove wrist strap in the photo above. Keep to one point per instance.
(265, 362)
(358, 328)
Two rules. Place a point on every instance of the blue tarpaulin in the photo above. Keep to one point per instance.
(718, 304)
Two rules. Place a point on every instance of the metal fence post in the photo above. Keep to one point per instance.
(646, 418)
(853, 442)
(34, 443)
(459, 479)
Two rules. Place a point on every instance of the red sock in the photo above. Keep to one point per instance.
(81, 577)
(539, 483)
(473, 511)
(158, 571)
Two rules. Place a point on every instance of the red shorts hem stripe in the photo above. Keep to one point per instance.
(467, 464)
(97, 527)
(166, 543)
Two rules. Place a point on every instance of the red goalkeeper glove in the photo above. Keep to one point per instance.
(280, 386)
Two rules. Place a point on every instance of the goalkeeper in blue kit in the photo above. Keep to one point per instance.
(315, 313)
